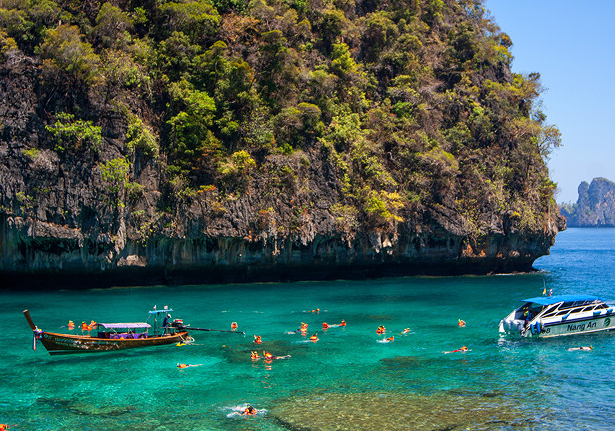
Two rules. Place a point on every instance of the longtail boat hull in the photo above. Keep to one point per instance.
(62, 344)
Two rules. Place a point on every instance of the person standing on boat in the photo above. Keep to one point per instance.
(165, 323)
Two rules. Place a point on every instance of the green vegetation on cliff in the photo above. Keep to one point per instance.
(402, 112)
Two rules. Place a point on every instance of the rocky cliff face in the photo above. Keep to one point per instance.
(433, 172)
(57, 225)
(595, 206)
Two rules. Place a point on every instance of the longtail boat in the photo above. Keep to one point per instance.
(112, 336)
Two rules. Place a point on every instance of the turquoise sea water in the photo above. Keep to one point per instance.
(529, 384)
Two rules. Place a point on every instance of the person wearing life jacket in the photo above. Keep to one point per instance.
(462, 349)
(461, 323)
(268, 356)
(250, 411)
(343, 323)
(71, 324)
(380, 330)
(257, 339)
(234, 326)
(405, 331)
(325, 325)
(314, 338)
(254, 356)
(4, 427)
(182, 365)
(390, 339)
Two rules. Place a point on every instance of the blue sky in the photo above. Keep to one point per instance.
(572, 45)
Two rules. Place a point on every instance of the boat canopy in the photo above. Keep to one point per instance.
(550, 300)
(167, 310)
(139, 325)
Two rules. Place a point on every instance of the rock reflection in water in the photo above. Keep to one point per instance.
(390, 411)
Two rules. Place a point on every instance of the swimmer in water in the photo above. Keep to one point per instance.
(461, 323)
(254, 356)
(314, 338)
(581, 348)
(390, 339)
(188, 365)
(269, 357)
(257, 339)
(233, 326)
(406, 331)
(463, 350)
(250, 411)
(381, 330)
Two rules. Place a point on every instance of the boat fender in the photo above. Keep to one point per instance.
(538, 328)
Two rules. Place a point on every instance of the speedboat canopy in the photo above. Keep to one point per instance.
(550, 300)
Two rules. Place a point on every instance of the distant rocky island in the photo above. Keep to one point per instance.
(595, 206)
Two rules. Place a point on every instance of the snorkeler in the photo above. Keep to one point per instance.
(269, 357)
(406, 331)
(233, 326)
(461, 323)
(314, 338)
(188, 365)
(463, 350)
(381, 330)
(250, 411)
(257, 339)
(581, 348)
(254, 356)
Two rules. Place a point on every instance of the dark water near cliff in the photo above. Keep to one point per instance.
(499, 384)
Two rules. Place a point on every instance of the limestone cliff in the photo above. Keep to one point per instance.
(146, 143)
(595, 206)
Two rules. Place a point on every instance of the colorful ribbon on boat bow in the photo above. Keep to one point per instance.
(38, 334)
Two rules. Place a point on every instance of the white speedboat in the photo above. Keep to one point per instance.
(552, 316)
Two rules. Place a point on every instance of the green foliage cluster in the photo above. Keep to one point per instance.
(413, 101)
(114, 174)
(71, 134)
